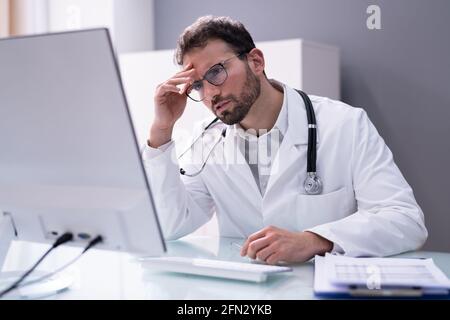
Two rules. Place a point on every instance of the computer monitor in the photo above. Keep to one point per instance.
(69, 158)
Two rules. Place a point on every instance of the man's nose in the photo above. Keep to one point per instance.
(211, 91)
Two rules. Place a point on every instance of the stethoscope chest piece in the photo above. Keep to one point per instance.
(313, 184)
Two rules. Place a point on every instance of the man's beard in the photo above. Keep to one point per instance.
(250, 92)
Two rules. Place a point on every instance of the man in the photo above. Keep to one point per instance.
(366, 207)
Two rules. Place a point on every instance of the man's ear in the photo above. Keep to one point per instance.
(256, 61)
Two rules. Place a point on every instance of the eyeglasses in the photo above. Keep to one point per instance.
(216, 75)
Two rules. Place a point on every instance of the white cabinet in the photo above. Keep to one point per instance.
(309, 66)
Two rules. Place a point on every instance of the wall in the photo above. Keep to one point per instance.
(130, 22)
(399, 74)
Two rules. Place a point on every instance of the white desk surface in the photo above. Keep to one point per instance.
(110, 275)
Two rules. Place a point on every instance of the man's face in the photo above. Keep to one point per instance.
(232, 100)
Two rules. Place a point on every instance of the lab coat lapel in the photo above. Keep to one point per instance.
(236, 166)
(295, 142)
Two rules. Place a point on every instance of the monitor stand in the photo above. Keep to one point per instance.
(42, 289)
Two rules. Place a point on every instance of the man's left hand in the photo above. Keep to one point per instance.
(273, 245)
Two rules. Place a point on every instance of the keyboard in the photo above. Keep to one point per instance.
(213, 268)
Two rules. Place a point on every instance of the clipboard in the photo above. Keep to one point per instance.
(323, 288)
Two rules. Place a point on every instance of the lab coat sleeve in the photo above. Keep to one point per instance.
(388, 219)
(182, 207)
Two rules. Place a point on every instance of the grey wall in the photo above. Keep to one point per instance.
(400, 75)
(133, 25)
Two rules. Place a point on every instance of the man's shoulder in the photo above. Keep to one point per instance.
(334, 106)
(330, 111)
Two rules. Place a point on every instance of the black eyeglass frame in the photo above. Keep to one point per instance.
(220, 64)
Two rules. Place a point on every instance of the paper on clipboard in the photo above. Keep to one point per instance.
(385, 272)
(324, 287)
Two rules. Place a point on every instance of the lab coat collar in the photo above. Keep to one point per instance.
(295, 141)
(297, 133)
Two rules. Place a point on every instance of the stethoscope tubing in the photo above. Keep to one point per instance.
(313, 184)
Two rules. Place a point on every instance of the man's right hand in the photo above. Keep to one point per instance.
(170, 103)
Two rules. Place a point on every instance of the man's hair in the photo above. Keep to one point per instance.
(208, 28)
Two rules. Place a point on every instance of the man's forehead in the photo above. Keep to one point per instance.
(205, 57)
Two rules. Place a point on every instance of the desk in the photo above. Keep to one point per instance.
(111, 275)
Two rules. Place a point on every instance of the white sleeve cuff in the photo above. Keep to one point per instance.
(337, 249)
(149, 153)
(323, 231)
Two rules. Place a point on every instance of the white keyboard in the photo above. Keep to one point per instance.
(213, 268)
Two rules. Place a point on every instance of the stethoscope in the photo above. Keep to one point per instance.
(312, 184)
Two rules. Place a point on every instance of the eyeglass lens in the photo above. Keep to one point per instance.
(216, 75)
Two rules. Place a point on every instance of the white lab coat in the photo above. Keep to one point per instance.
(366, 208)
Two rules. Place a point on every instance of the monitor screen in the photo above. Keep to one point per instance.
(69, 158)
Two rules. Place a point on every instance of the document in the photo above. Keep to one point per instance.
(385, 272)
(338, 275)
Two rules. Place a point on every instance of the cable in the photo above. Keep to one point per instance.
(95, 241)
(66, 237)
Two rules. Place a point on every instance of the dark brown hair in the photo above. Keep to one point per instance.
(208, 28)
